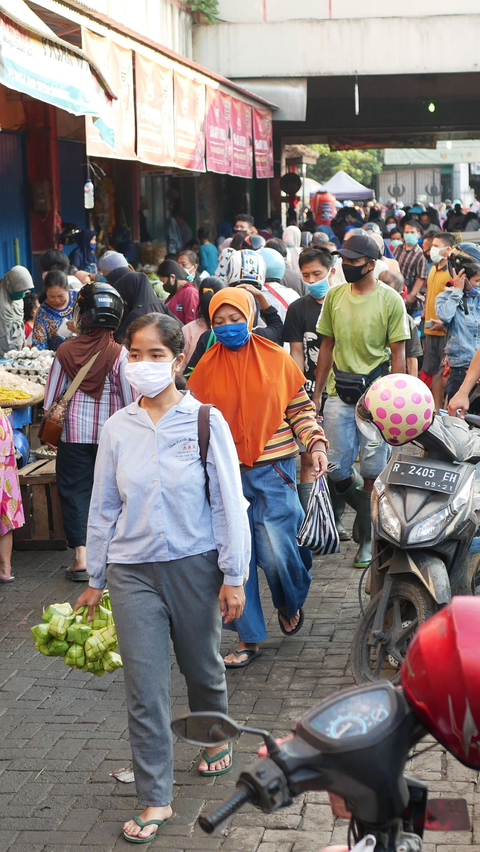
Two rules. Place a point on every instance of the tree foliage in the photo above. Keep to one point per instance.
(209, 8)
(361, 165)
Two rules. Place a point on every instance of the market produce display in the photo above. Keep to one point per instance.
(33, 363)
(15, 381)
(89, 646)
(7, 394)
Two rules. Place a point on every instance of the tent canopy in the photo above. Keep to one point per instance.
(311, 187)
(346, 188)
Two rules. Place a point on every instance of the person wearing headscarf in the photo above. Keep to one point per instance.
(103, 391)
(183, 298)
(260, 391)
(50, 327)
(14, 286)
(193, 330)
(138, 296)
(84, 257)
(292, 237)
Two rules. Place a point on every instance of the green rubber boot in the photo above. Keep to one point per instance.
(304, 490)
(338, 506)
(359, 500)
(363, 556)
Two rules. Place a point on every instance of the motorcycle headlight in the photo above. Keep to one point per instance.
(430, 528)
(388, 519)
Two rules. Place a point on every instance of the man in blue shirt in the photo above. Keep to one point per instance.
(458, 307)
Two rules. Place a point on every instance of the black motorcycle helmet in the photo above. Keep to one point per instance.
(98, 305)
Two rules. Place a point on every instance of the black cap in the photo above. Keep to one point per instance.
(360, 246)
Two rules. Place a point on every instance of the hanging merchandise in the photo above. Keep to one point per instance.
(88, 195)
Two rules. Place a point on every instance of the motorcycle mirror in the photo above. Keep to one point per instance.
(206, 729)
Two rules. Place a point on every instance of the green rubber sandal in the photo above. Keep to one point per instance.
(142, 824)
(210, 760)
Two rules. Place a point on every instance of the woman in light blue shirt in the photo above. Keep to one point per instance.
(170, 553)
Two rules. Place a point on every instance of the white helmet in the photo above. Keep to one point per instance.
(246, 267)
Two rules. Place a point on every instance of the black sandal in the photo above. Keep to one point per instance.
(295, 629)
(251, 655)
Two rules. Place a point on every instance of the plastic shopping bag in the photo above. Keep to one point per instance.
(318, 531)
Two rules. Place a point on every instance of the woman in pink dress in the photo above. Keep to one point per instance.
(11, 510)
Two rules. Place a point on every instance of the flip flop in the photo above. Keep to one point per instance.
(295, 629)
(251, 655)
(9, 580)
(76, 576)
(142, 824)
(210, 760)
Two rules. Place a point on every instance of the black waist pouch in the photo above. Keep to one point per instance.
(351, 386)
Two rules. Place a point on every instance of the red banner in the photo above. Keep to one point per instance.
(218, 132)
(112, 134)
(189, 123)
(155, 118)
(242, 153)
(263, 140)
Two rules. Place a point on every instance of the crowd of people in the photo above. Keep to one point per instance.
(176, 464)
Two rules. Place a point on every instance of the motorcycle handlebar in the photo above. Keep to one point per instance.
(472, 419)
(210, 821)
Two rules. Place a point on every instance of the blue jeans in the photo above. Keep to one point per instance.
(346, 441)
(275, 515)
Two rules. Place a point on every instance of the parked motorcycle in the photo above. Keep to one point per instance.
(356, 744)
(424, 515)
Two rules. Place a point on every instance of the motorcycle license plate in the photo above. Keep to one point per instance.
(424, 476)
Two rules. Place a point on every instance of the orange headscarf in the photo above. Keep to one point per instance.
(251, 387)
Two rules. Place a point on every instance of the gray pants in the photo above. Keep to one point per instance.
(151, 603)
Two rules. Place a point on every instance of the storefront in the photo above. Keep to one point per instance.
(153, 131)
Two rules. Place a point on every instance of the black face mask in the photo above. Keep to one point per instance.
(170, 288)
(353, 274)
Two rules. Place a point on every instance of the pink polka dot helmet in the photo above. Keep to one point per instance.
(401, 407)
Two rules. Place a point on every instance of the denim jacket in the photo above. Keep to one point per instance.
(462, 329)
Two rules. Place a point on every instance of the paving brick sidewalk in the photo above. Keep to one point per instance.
(62, 732)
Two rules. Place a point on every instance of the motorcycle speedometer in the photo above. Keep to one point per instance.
(352, 716)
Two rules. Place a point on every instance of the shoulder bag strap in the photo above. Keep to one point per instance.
(204, 440)
(277, 295)
(77, 381)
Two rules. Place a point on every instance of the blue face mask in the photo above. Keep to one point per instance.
(15, 297)
(319, 289)
(411, 239)
(233, 335)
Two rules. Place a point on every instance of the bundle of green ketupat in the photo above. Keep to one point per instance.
(89, 646)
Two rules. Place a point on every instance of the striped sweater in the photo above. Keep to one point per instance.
(298, 422)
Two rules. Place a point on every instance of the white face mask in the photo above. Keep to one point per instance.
(150, 377)
(436, 255)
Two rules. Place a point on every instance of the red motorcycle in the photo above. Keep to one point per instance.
(356, 744)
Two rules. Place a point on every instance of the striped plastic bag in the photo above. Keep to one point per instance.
(318, 531)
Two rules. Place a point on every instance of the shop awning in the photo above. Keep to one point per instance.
(34, 61)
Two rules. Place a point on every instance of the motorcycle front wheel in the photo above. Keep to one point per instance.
(372, 659)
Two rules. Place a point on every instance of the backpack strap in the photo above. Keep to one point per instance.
(204, 441)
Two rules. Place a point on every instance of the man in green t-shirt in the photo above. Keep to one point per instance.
(362, 321)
